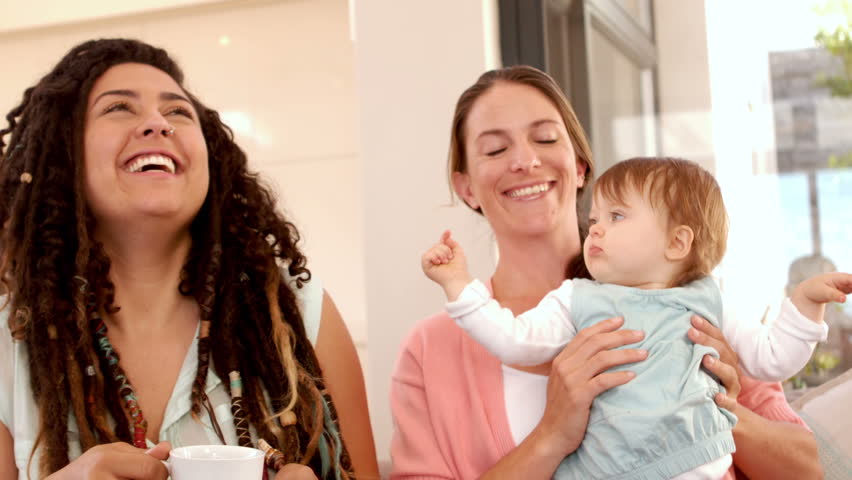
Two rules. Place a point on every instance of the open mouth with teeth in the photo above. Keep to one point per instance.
(530, 191)
(152, 163)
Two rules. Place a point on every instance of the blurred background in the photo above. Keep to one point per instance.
(345, 107)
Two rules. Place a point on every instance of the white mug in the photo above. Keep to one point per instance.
(215, 462)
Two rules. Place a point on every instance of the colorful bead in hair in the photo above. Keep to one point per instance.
(241, 422)
(273, 457)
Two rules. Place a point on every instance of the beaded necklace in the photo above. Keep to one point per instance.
(128, 394)
(274, 458)
(125, 391)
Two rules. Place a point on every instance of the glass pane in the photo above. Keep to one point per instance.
(815, 172)
(622, 105)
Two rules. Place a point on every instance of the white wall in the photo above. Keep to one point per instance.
(19, 16)
(413, 61)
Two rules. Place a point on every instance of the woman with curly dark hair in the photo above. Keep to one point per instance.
(152, 291)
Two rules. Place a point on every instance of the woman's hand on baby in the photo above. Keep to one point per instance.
(118, 461)
(579, 374)
(811, 295)
(445, 264)
(726, 367)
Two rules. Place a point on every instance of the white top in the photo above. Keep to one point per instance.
(525, 395)
(19, 413)
(769, 352)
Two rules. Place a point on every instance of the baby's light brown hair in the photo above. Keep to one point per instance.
(686, 194)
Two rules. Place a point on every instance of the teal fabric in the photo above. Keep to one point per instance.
(664, 422)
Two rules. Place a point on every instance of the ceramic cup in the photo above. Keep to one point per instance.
(215, 462)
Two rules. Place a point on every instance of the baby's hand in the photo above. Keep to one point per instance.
(445, 264)
(811, 295)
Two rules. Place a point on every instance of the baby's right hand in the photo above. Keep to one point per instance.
(445, 264)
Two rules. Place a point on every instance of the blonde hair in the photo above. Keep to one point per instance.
(687, 194)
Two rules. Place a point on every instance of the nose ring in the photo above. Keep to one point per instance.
(535, 162)
(169, 132)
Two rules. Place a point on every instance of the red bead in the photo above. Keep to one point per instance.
(139, 438)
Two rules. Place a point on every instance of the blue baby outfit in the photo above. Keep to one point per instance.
(664, 422)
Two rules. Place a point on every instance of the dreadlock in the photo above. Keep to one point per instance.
(234, 273)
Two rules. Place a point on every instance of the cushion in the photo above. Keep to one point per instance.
(827, 409)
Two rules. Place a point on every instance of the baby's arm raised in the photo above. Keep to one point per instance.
(532, 338)
(777, 351)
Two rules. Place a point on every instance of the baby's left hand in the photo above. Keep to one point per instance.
(811, 295)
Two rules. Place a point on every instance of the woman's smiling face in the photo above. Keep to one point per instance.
(522, 170)
(136, 166)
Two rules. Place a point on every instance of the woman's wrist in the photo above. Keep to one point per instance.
(745, 421)
(548, 444)
(537, 457)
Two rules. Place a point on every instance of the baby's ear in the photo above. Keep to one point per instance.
(680, 243)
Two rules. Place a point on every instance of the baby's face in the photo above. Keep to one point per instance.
(627, 242)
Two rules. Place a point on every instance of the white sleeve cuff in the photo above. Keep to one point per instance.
(794, 323)
(474, 295)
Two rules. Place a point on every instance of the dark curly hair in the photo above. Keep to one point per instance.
(56, 277)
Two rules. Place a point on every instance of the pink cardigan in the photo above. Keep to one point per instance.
(449, 413)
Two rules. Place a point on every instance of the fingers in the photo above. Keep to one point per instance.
(824, 289)
(587, 334)
(138, 467)
(592, 352)
(439, 254)
(842, 282)
(160, 451)
(727, 374)
(828, 287)
(295, 471)
(708, 335)
(120, 460)
(827, 293)
(725, 402)
(707, 328)
(601, 336)
(838, 286)
(606, 359)
(605, 381)
(453, 244)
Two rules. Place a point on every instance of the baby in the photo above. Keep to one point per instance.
(658, 227)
